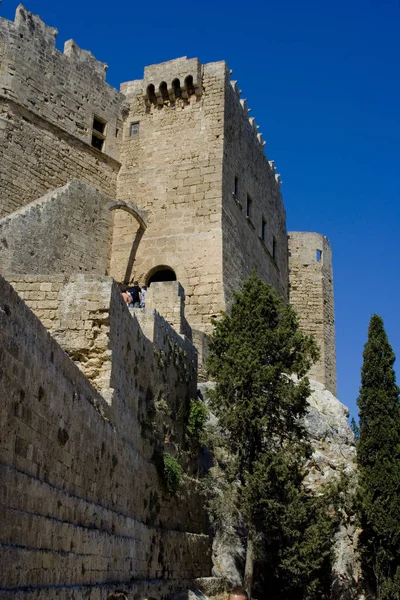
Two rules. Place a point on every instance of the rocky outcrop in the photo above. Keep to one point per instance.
(334, 454)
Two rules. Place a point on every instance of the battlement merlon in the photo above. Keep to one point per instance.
(30, 26)
(65, 89)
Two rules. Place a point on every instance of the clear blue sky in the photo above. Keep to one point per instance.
(322, 79)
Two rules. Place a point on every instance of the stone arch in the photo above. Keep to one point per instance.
(127, 226)
(163, 88)
(160, 273)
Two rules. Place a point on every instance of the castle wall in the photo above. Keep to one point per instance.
(247, 244)
(173, 169)
(83, 510)
(311, 295)
(65, 231)
(47, 104)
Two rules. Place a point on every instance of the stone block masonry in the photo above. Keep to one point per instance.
(48, 105)
(311, 295)
(82, 506)
(65, 231)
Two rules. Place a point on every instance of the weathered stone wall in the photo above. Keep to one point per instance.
(65, 231)
(191, 142)
(247, 243)
(173, 170)
(311, 294)
(82, 506)
(47, 104)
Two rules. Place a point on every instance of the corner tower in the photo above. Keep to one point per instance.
(311, 295)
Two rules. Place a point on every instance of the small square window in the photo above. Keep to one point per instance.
(264, 230)
(249, 207)
(98, 132)
(134, 130)
(99, 125)
(97, 142)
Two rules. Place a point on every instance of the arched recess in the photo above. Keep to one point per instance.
(127, 227)
(160, 273)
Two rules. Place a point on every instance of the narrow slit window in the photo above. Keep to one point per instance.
(236, 187)
(274, 249)
(318, 255)
(264, 230)
(249, 207)
(134, 131)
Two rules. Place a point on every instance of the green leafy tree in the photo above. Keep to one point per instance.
(378, 455)
(256, 354)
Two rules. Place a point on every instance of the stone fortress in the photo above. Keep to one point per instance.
(165, 181)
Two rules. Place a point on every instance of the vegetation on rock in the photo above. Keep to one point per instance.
(378, 451)
(258, 358)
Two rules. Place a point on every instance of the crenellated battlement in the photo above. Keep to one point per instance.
(258, 136)
(67, 89)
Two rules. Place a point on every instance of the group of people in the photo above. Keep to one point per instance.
(134, 295)
(236, 593)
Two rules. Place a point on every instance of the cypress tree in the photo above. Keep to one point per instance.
(378, 456)
(253, 355)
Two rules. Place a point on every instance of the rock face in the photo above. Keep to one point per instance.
(334, 452)
(330, 435)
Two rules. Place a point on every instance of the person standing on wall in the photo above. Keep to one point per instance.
(136, 294)
(143, 293)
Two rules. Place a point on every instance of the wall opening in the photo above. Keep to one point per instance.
(236, 187)
(176, 86)
(318, 256)
(151, 93)
(98, 132)
(274, 249)
(160, 273)
(249, 207)
(189, 85)
(164, 91)
(264, 230)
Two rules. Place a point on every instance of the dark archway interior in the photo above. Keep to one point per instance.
(162, 275)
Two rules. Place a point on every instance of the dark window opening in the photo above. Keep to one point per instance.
(151, 92)
(189, 84)
(97, 142)
(319, 255)
(99, 125)
(264, 230)
(164, 91)
(249, 207)
(236, 187)
(274, 249)
(163, 274)
(98, 133)
(176, 86)
(134, 130)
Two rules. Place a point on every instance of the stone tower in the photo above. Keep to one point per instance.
(311, 294)
(194, 162)
(191, 194)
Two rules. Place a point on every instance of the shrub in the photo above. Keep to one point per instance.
(173, 474)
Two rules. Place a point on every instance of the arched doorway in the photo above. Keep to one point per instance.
(160, 273)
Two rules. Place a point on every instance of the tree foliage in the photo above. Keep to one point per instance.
(258, 358)
(378, 458)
